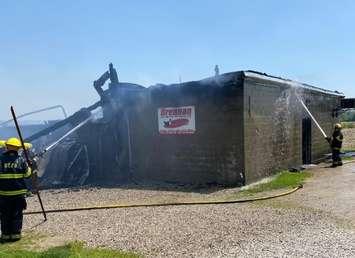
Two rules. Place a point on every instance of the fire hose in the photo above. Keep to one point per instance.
(51, 146)
(310, 114)
(138, 205)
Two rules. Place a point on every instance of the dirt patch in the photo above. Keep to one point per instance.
(50, 241)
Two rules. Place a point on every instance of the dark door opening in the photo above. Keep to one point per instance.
(306, 141)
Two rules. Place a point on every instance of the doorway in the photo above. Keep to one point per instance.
(307, 140)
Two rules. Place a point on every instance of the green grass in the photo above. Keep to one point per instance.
(284, 179)
(347, 158)
(22, 249)
(348, 124)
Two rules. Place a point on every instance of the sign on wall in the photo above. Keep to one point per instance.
(176, 120)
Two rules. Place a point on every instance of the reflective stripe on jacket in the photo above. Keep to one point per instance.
(13, 172)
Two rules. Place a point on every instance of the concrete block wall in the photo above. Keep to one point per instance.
(213, 154)
(322, 107)
(273, 126)
(271, 133)
(269, 142)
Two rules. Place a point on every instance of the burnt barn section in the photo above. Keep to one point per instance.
(231, 129)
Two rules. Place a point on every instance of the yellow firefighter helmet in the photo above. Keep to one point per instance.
(337, 126)
(14, 142)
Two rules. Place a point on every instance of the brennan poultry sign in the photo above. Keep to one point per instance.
(176, 120)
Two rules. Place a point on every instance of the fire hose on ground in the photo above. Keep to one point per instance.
(140, 205)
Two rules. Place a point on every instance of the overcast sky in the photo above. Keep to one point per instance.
(52, 51)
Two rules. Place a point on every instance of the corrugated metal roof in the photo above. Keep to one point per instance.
(264, 76)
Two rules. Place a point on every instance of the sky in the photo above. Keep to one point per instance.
(52, 51)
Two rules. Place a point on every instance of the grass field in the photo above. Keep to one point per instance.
(348, 124)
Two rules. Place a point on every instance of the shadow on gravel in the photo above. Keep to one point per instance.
(203, 189)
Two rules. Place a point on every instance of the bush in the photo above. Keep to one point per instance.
(348, 116)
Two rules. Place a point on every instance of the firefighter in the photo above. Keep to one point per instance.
(13, 171)
(335, 143)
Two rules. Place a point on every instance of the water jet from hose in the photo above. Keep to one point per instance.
(310, 114)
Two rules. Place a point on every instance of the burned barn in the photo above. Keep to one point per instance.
(230, 129)
(242, 127)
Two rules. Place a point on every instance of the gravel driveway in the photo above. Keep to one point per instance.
(318, 220)
(349, 138)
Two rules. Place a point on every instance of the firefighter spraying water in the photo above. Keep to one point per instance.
(335, 141)
(13, 188)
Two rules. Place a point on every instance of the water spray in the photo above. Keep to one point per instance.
(310, 114)
(51, 146)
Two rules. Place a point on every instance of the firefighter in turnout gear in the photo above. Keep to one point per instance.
(13, 172)
(336, 142)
